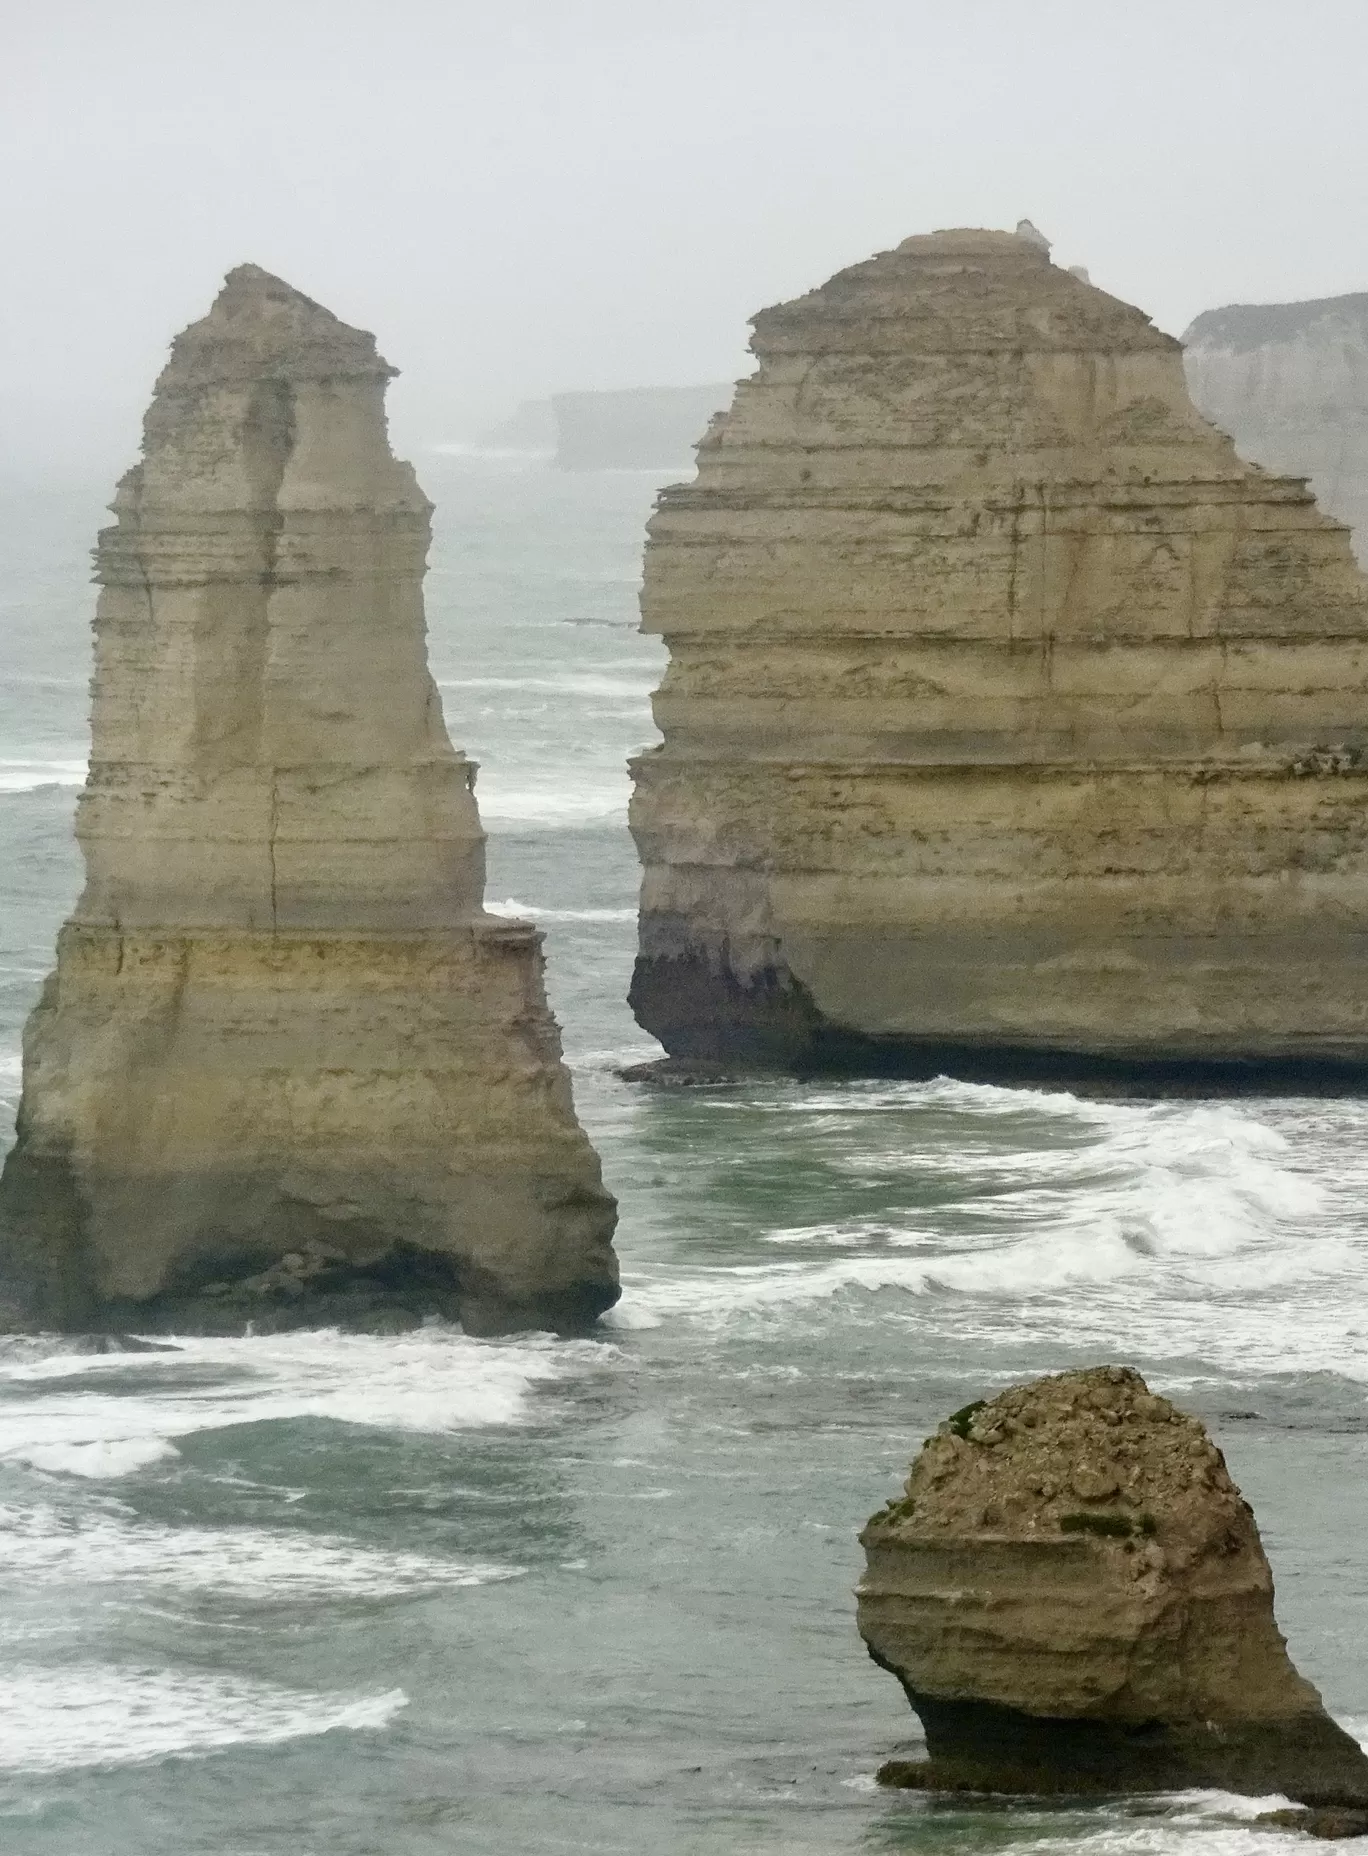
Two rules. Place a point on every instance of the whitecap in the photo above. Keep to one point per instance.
(26, 776)
(1053, 1218)
(535, 912)
(102, 1460)
(101, 1714)
(553, 805)
(45, 1545)
(636, 689)
(435, 1379)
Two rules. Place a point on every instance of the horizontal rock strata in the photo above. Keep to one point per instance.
(287, 1068)
(1289, 382)
(1074, 1596)
(1013, 725)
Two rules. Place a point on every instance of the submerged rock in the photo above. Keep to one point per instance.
(287, 1069)
(1330, 1821)
(1074, 1596)
(1289, 382)
(1013, 726)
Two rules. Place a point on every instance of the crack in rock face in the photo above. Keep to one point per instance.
(1074, 1596)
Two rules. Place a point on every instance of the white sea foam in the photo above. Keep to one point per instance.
(553, 804)
(534, 912)
(100, 1714)
(94, 1547)
(26, 776)
(432, 1380)
(1176, 1227)
(11, 1082)
(105, 1458)
(636, 689)
(1223, 1822)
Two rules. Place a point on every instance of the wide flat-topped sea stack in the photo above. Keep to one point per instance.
(1289, 382)
(287, 1069)
(1013, 726)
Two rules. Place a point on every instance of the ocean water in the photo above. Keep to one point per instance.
(327, 1595)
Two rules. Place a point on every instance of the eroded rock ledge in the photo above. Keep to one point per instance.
(1013, 726)
(1075, 1598)
(287, 1070)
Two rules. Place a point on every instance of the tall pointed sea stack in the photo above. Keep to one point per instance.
(287, 1069)
(1013, 726)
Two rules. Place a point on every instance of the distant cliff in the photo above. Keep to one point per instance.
(1289, 382)
(636, 428)
(532, 428)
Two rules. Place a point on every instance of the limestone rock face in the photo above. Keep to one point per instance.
(1289, 382)
(1013, 725)
(1075, 1598)
(286, 1068)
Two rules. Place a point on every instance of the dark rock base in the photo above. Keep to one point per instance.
(715, 1025)
(262, 1262)
(1330, 1822)
(978, 1747)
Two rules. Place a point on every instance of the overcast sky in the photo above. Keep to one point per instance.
(520, 196)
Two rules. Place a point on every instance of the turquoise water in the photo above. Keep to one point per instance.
(333, 1595)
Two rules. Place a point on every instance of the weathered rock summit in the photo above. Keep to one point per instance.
(1289, 382)
(1013, 725)
(1074, 1596)
(287, 1069)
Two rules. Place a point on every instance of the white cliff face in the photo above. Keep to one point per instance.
(286, 1064)
(1289, 382)
(1012, 726)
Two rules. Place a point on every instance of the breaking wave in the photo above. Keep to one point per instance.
(534, 912)
(109, 1415)
(26, 776)
(1052, 1216)
(96, 1714)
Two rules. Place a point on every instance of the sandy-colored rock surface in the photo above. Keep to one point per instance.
(286, 1068)
(1075, 1598)
(1289, 382)
(1013, 726)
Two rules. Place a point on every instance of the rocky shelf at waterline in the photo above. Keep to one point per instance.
(287, 1069)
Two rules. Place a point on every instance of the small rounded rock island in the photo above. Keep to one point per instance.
(1075, 1598)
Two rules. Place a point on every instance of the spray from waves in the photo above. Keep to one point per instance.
(45, 1544)
(112, 1413)
(532, 911)
(97, 1714)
